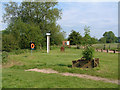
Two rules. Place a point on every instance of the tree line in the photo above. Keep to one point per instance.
(76, 39)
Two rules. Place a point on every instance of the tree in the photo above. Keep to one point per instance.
(94, 40)
(11, 12)
(75, 38)
(9, 43)
(87, 37)
(102, 40)
(87, 30)
(30, 21)
(88, 53)
(116, 39)
(108, 37)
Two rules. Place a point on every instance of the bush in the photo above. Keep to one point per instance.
(78, 47)
(4, 57)
(19, 52)
(9, 43)
(88, 53)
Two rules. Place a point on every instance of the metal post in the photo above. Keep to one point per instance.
(48, 42)
(48, 39)
(31, 49)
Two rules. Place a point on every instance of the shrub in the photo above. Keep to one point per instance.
(18, 51)
(4, 57)
(88, 53)
(9, 43)
(78, 47)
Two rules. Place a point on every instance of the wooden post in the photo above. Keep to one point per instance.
(107, 51)
(114, 51)
(97, 50)
(101, 50)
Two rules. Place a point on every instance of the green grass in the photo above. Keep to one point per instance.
(14, 78)
(14, 74)
(111, 46)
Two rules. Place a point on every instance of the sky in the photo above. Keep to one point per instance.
(100, 16)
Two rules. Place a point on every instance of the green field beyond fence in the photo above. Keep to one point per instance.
(111, 46)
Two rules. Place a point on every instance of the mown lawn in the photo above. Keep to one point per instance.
(111, 46)
(15, 76)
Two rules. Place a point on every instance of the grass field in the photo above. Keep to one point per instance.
(14, 75)
(111, 46)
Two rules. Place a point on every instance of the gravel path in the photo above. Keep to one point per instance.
(75, 75)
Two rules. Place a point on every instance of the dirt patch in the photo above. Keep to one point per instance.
(43, 70)
(90, 77)
(11, 63)
(76, 75)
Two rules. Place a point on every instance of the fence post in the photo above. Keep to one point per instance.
(101, 50)
(104, 46)
(107, 51)
(114, 51)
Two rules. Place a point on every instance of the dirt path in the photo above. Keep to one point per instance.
(42, 70)
(75, 75)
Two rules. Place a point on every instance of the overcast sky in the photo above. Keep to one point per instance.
(100, 16)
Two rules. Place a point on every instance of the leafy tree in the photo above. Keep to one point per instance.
(30, 21)
(87, 37)
(4, 32)
(116, 39)
(11, 12)
(87, 30)
(75, 38)
(94, 40)
(108, 37)
(102, 40)
(9, 43)
(57, 38)
(88, 53)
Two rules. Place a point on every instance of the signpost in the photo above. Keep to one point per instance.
(32, 46)
(66, 43)
(48, 42)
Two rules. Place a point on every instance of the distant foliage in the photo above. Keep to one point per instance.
(9, 43)
(4, 57)
(75, 38)
(87, 39)
(88, 53)
(108, 37)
